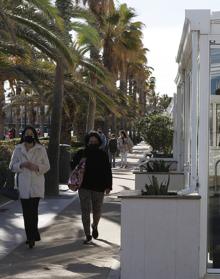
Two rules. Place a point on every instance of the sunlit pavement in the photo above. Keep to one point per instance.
(61, 253)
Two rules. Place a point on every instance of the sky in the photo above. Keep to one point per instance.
(163, 28)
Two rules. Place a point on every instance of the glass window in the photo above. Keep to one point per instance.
(215, 71)
(214, 162)
(211, 125)
(218, 125)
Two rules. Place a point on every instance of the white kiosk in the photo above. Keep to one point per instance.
(197, 142)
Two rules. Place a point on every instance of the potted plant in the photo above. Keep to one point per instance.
(157, 166)
(159, 233)
(159, 169)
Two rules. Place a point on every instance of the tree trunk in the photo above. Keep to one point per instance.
(123, 88)
(17, 120)
(90, 123)
(142, 100)
(52, 178)
(2, 101)
(42, 119)
(79, 126)
(65, 129)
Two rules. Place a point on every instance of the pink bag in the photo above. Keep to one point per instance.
(76, 177)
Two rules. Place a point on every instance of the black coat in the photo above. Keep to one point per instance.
(98, 174)
(113, 145)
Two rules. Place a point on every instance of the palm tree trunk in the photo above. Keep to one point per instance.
(42, 119)
(2, 100)
(90, 123)
(65, 137)
(123, 88)
(52, 178)
(142, 100)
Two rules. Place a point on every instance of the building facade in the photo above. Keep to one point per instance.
(197, 126)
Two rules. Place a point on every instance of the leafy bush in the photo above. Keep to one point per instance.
(156, 129)
(3, 172)
(6, 149)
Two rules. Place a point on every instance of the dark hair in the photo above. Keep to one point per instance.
(34, 132)
(92, 134)
(124, 133)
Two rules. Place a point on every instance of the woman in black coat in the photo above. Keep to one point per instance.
(97, 180)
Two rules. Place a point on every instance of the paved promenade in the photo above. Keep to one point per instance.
(61, 253)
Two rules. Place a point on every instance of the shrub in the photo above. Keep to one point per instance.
(156, 129)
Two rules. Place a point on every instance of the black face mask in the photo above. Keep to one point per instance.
(93, 146)
(29, 139)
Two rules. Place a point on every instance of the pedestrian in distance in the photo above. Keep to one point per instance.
(125, 145)
(97, 181)
(30, 162)
(104, 144)
(112, 149)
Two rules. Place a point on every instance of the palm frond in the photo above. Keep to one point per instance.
(47, 34)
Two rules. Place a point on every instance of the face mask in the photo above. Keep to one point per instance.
(93, 146)
(29, 139)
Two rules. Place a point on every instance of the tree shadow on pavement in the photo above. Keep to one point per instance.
(62, 245)
(91, 270)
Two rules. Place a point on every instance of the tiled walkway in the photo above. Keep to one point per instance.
(61, 253)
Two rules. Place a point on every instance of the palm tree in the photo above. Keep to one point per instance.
(38, 24)
(99, 8)
(1, 110)
(122, 43)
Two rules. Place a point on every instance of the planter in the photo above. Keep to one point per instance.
(160, 237)
(177, 180)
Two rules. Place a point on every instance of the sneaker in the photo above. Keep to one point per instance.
(95, 232)
(88, 239)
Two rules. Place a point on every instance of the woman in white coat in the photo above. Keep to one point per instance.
(30, 162)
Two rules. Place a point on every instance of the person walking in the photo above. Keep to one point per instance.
(125, 145)
(30, 162)
(112, 149)
(103, 139)
(97, 180)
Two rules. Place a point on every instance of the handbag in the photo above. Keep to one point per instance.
(76, 177)
(10, 192)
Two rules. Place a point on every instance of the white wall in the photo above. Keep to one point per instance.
(160, 238)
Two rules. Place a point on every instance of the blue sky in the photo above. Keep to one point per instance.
(163, 27)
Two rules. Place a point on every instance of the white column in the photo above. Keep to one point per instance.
(203, 146)
(179, 127)
(182, 124)
(194, 111)
(187, 130)
(175, 127)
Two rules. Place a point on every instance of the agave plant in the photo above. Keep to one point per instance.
(156, 188)
(157, 166)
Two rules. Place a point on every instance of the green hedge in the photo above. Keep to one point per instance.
(7, 147)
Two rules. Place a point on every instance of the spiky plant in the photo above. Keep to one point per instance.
(156, 188)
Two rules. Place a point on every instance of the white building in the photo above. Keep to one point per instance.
(198, 126)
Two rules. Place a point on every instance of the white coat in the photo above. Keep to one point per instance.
(30, 183)
(125, 145)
